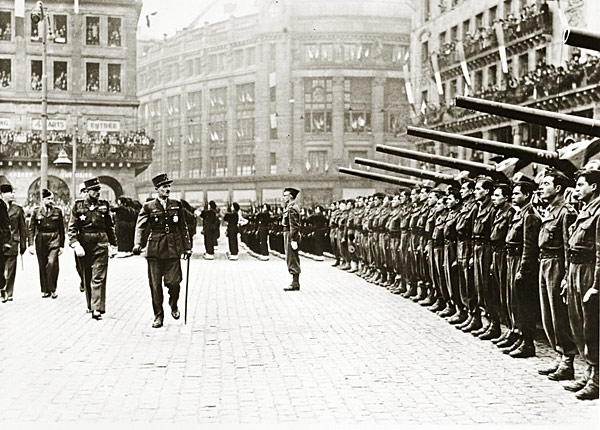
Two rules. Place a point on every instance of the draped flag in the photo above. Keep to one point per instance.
(76, 7)
(463, 62)
(436, 73)
(501, 46)
(20, 8)
(273, 120)
(407, 83)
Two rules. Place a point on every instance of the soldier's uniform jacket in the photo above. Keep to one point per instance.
(357, 216)
(342, 220)
(4, 224)
(18, 230)
(502, 218)
(393, 223)
(583, 236)
(430, 223)
(464, 222)
(437, 234)
(450, 225)
(372, 218)
(482, 222)
(413, 224)
(554, 232)
(169, 237)
(333, 219)
(48, 221)
(291, 220)
(88, 216)
(384, 215)
(522, 239)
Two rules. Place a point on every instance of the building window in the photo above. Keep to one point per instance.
(507, 8)
(442, 40)
(60, 29)
(273, 163)
(5, 72)
(454, 34)
(114, 32)
(34, 35)
(356, 154)
(5, 26)
(60, 75)
(173, 163)
(318, 98)
(244, 160)
(217, 132)
(92, 77)
(540, 56)
(238, 58)
(244, 129)
(453, 89)
(478, 81)
(250, 57)
(114, 78)
(492, 76)
(357, 105)
(425, 54)
(317, 162)
(479, 22)
(194, 161)
(173, 123)
(466, 28)
(36, 75)
(492, 15)
(523, 64)
(92, 30)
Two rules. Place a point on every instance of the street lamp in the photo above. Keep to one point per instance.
(38, 15)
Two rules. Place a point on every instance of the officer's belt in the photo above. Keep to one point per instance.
(514, 250)
(449, 242)
(93, 230)
(551, 253)
(581, 256)
(46, 230)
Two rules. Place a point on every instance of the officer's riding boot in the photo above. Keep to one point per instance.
(509, 340)
(475, 323)
(590, 391)
(295, 285)
(492, 332)
(565, 370)
(459, 317)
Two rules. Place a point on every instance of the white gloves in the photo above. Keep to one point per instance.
(294, 245)
(79, 251)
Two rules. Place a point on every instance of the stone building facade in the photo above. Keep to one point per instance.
(283, 95)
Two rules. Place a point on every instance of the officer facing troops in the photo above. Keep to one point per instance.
(47, 240)
(291, 236)
(168, 242)
(18, 239)
(92, 237)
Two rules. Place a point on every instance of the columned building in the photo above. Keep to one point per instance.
(248, 100)
(505, 50)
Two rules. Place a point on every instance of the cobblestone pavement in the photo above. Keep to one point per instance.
(339, 351)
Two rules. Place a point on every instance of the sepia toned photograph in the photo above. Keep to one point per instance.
(299, 213)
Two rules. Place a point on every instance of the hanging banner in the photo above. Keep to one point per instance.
(51, 125)
(272, 79)
(501, 46)
(463, 62)
(20, 8)
(273, 120)
(436, 73)
(407, 84)
(104, 126)
(76, 7)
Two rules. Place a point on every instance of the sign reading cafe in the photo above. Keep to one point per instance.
(103, 126)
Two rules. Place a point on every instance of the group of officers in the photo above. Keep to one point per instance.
(486, 255)
(160, 228)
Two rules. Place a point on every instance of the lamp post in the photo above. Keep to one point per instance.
(74, 166)
(38, 15)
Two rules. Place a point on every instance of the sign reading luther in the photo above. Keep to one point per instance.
(104, 126)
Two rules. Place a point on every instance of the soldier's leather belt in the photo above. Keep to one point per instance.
(93, 230)
(481, 241)
(47, 230)
(551, 253)
(514, 250)
(498, 248)
(449, 242)
(582, 256)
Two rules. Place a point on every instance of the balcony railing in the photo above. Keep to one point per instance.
(133, 148)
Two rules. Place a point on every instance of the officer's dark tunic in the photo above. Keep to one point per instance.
(232, 220)
(502, 217)
(47, 231)
(4, 238)
(91, 225)
(264, 220)
(18, 242)
(291, 225)
(168, 240)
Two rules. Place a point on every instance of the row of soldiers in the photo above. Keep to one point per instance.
(488, 255)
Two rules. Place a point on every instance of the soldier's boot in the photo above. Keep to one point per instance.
(579, 383)
(295, 285)
(551, 368)
(492, 332)
(565, 371)
(438, 305)
(590, 391)
(517, 343)
(430, 298)
(482, 329)
(501, 337)
(374, 275)
(446, 311)
(466, 322)
(509, 340)
(401, 287)
(475, 323)
(525, 350)
(344, 266)
(422, 292)
(391, 281)
(337, 262)
(410, 290)
(383, 280)
(459, 318)
(353, 267)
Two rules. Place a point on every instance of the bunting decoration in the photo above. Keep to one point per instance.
(501, 46)
(463, 62)
(436, 73)
(273, 120)
(76, 7)
(407, 83)
(20, 8)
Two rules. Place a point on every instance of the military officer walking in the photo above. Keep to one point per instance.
(291, 235)
(18, 239)
(47, 232)
(92, 236)
(169, 241)
(4, 239)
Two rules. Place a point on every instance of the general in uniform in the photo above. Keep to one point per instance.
(92, 236)
(47, 232)
(291, 236)
(169, 240)
(18, 239)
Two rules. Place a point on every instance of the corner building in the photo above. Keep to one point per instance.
(280, 93)
(539, 71)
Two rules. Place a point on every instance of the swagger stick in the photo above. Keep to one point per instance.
(187, 283)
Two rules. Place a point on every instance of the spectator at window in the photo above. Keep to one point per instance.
(60, 83)
(5, 79)
(36, 82)
(93, 82)
(92, 33)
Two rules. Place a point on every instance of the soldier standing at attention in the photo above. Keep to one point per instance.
(291, 231)
(169, 241)
(18, 239)
(92, 236)
(47, 232)
(4, 239)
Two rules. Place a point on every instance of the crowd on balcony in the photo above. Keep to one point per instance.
(546, 80)
(114, 83)
(529, 20)
(61, 34)
(133, 146)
